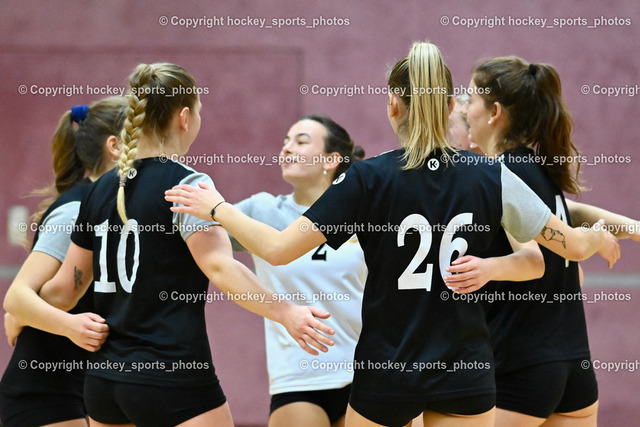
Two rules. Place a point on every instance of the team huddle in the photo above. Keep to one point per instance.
(363, 273)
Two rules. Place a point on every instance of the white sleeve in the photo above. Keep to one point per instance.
(524, 214)
(188, 224)
(54, 235)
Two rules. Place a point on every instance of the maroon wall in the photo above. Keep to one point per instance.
(254, 78)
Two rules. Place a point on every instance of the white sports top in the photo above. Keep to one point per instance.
(332, 280)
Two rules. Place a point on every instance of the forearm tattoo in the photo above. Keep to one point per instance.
(549, 234)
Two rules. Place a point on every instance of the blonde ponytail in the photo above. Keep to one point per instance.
(426, 82)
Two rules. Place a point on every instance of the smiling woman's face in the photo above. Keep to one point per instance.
(303, 153)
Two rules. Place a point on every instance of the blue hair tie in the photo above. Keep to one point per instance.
(79, 113)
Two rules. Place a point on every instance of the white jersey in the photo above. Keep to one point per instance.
(332, 280)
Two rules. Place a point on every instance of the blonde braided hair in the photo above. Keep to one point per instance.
(157, 92)
(133, 127)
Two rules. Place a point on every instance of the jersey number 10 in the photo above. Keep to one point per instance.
(103, 284)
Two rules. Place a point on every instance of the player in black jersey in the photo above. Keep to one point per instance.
(422, 349)
(543, 368)
(152, 270)
(43, 382)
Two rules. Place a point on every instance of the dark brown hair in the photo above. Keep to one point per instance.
(338, 141)
(531, 96)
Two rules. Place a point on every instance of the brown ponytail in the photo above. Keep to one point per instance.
(80, 148)
(531, 95)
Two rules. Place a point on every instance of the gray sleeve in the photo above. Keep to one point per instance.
(523, 213)
(54, 235)
(187, 224)
(246, 207)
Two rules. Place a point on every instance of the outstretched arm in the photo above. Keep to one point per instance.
(87, 330)
(470, 273)
(275, 247)
(211, 250)
(620, 226)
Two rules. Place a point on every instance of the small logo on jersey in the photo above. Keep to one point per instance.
(339, 179)
(132, 173)
(433, 164)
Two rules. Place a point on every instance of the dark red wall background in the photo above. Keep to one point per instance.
(254, 75)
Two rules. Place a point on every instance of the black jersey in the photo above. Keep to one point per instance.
(44, 363)
(420, 341)
(147, 285)
(541, 320)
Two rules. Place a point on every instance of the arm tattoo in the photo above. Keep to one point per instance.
(551, 234)
(77, 277)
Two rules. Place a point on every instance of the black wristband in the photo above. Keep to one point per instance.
(213, 211)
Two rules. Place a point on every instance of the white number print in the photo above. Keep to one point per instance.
(409, 279)
(562, 214)
(103, 285)
(449, 245)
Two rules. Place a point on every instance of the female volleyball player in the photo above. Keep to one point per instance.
(43, 382)
(543, 368)
(422, 348)
(316, 150)
(156, 369)
(305, 392)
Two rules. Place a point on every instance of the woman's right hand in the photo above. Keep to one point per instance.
(196, 201)
(303, 325)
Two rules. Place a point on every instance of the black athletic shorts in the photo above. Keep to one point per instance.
(543, 389)
(113, 402)
(35, 410)
(394, 414)
(333, 402)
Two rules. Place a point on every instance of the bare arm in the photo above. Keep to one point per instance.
(275, 247)
(577, 244)
(300, 237)
(71, 281)
(87, 330)
(470, 273)
(211, 250)
(620, 226)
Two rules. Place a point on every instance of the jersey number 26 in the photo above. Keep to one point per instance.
(409, 279)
